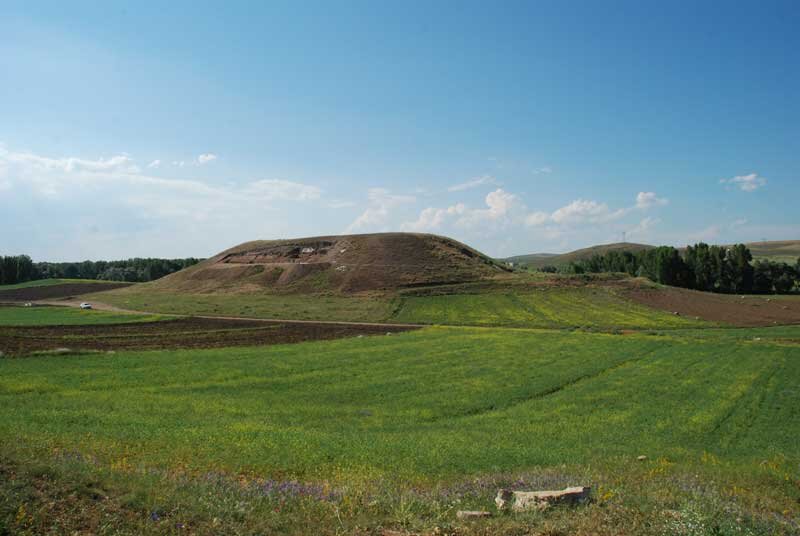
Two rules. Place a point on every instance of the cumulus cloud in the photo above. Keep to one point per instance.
(155, 164)
(586, 211)
(536, 219)
(502, 208)
(380, 204)
(747, 183)
(545, 170)
(205, 158)
(645, 200)
(473, 183)
(432, 219)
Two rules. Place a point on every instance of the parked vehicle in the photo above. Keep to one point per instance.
(86, 305)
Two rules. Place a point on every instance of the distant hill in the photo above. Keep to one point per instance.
(538, 260)
(350, 263)
(776, 250)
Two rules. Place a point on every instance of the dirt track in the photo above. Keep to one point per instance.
(730, 309)
(176, 334)
(51, 292)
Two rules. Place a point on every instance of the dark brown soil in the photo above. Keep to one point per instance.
(175, 334)
(49, 292)
(730, 309)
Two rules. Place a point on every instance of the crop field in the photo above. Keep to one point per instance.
(258, 304)
(522, 306)
(48, 316)
(361, 434)
(589, 307)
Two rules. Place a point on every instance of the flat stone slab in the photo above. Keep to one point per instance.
(520, 501)
(472, 514)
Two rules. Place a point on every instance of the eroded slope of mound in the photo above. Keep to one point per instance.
(349, 263)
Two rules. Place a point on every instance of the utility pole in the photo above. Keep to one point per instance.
(624, 234)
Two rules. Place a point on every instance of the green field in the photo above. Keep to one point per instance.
(510, 306)
(430, 411)
(60, 316)
(548, 387)
(587, 307)
(515, 400)
(256, 305)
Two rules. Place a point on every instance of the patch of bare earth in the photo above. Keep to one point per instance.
(176, 334)
(743, 311)
(50, 292)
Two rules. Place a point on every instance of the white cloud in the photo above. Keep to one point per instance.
(536, 219)
(545, 170)
(178, 163)
(155, 164)
(431, 219)
(747, 183)
(118, 163)
(376, 215)
(139, 199)
(473, 183)
(205, 158)
(502, 208)
(583, 211)
(645, 200)
(740, 222)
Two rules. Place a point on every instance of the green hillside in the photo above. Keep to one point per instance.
(779, 250)
(538, 260)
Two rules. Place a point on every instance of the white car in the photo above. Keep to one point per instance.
(86, 306)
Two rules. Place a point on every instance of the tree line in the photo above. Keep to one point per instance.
(21, 268)
(725, 269)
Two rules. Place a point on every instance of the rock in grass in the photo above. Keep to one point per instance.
(642, 458)
(520, 501)
(472, 514)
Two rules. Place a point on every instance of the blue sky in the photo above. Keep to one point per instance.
(139, 129)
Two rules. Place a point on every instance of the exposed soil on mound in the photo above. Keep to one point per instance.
(349, 264)
(730, 309)
(49, 292)
(176, 334)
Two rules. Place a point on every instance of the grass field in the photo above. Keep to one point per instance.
(401, 431)
(375, 403)
(50, 316)
(257, 305)
(515, 306)
(587, 307)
